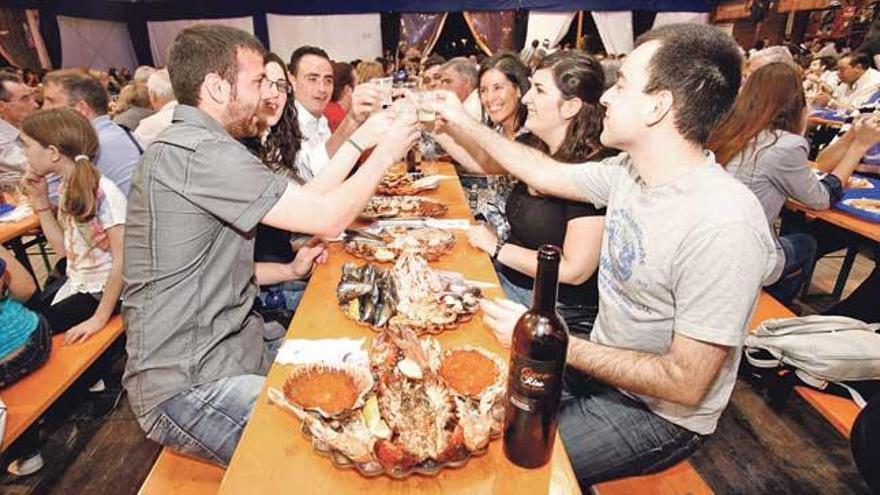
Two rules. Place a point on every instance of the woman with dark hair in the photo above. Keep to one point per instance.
(285, 260)
(761, 143)
(564, 119)
(281, 265)
(503, 82)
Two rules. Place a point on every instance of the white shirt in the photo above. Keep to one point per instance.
(150, 127)
(473, 106)
(828, 51)
(312, 156)
(87, 245)
(855, 95)
(11, 151)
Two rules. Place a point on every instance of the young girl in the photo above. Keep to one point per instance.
(89, 225)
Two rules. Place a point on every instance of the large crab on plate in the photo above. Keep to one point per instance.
(415, 419)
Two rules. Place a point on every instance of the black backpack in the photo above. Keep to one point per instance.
(865, 443)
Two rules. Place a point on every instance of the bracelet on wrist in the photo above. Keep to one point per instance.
(498, 245)
(355, 145)
(41, 210)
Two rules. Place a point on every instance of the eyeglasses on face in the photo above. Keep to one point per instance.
(280, 85)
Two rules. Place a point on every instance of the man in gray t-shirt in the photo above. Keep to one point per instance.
(197, 355)
(684, 253)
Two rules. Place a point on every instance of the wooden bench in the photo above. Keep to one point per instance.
(29, 398)
(177, 473)
(839, 411)
(680, 479)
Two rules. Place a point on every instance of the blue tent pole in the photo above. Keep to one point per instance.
(261, 27)
(140, 39)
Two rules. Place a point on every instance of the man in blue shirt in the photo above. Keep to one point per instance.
(118, 151)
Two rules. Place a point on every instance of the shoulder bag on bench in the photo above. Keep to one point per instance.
(822, 350)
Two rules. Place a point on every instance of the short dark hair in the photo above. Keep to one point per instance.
(5, 77)
(828, 61)
(301, 52)
(433, 60)
(203, 49)
(859, 58)
(701, 66)
(342, 77)
(80, 86)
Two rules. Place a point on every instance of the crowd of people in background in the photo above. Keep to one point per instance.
(615, 158)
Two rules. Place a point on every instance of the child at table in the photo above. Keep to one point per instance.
(88, 228)
(25, 342)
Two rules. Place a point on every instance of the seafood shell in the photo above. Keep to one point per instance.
(489, 359)
(360, 375)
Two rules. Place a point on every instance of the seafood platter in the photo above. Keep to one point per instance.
(410, 294)
(414, 409)
(387, 244)
(403, 207)
(403, 183)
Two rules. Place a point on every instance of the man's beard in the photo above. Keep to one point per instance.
(243, 122)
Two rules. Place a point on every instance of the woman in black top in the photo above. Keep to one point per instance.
(565, 120)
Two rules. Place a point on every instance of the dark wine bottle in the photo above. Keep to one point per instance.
(537, 364)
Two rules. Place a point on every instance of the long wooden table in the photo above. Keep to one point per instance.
(273, 456)
(10, 236)
(841, 219)
(844, 220)
(13, 230)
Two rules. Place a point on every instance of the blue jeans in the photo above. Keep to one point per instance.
(800, 252)
(207, 420)
(579, 318)
(293, 292)
(514, 292)
(609, 435)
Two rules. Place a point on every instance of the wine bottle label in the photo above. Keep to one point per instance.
(535, 379)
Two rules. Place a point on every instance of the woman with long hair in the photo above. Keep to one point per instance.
(89, 225)
(285, 259)
(564, 119)
(761, 142)
(282, 266)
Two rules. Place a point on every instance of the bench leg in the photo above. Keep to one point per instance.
(20, 252)
(848, 261)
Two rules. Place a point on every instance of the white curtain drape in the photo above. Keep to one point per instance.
(162, 33)
(616, 31)
(664, 18)
(549, 25)
(95, 44)
(344, 37)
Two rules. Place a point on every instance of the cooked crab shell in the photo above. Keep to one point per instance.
(331, 390)
(472, 371)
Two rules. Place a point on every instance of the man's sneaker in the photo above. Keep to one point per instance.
(98, 386)
(26, 465)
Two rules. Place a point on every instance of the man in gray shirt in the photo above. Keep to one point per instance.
(197, 355)
(684, 252)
